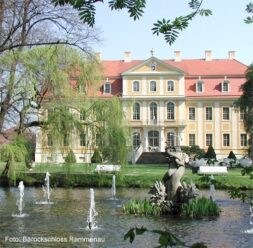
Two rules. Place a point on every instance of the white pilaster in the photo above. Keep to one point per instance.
(234, 130)
(144, 86)
(162, 140)
(217, 128)
(181, 86)
(144, 113)
(200, 125)
(181, 111)
(125, 87)
(145, 140)
(161, 114)
(161, 86)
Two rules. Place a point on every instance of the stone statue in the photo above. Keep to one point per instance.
(171, 193)
(172, 178)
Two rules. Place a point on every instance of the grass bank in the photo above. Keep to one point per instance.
(141, 176)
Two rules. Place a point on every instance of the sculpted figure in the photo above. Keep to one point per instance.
(172, 178)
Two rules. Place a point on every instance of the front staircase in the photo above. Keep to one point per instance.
(153, 158)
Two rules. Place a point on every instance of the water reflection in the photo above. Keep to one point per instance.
(66, 221)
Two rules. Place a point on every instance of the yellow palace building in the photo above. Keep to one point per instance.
(176, 102)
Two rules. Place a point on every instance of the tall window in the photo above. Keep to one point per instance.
(192, 139)
(153, 111)
(170, 139)
(107, 87)
(152, 86)
(82, 138)
(243, 139)
(225, 86)
(136, 111)
(209, 114)
(209, 139)
(66, 140)
(242, 115)
(82, 115)
(170, 85)
(200, 86)
(153, 138)
(225, 113)
(136, 139)
(136, 86)
(226, 139)
(49, 140)
(192, 114)
(170, 111)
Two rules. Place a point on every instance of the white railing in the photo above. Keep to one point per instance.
(136, 154)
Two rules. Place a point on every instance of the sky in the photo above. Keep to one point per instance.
(224, 31)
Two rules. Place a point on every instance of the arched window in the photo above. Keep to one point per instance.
(136, 86)
(170, 85)
(136, 140)
(170, 111)
(153, 111)
(136, 111)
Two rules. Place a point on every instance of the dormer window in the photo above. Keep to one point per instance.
(107, 88)
(225, 86)
(200, 86)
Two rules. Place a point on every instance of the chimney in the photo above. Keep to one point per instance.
(127, 57)
(208, 55)
(231, 55)
(177, 56)
(98, 56)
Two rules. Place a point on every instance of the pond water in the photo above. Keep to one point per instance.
(64, 222)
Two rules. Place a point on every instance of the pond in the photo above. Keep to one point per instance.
(63, 224)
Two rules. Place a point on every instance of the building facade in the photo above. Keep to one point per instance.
(177, 102)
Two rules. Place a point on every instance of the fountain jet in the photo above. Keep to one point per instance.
(92, 211)
(113, 187)
(46, 187)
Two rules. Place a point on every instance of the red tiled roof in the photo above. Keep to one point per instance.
(192, 68)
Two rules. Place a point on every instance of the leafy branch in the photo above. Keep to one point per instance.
(249, 10)
(166, 238)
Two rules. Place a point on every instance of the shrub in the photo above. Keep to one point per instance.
(200, 207)
(70, 159)
(96, 158)
(141, 207)
(210, 153)
(232, 155)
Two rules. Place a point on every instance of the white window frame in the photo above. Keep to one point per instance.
(150, 82)
(208, 143)
(171, 88)
(226, 142)
(191, 115)
(133, 86)
(211, 113)
(172, 113)
(136, 114)
(110, 88)
(243, 142)
(228, 86)
(225, 107)
(192, 139)
(200, 82)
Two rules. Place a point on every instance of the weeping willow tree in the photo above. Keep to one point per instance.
(51, 88)
(16, 151)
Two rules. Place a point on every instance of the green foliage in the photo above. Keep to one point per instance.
(200, 207)
(70, 158)
(166, 238)
(193, 151)
(231, 155)
(249, 10)
(96, 158)
(141, 207)
(210, 154)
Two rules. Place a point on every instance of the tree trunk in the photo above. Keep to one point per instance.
(6, 169)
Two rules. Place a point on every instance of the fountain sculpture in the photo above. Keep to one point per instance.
(92, 211)
(171, 193)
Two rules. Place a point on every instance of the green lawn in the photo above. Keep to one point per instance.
(130, 176)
